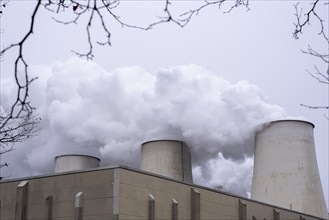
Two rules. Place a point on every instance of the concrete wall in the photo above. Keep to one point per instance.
(55, 196)
(193, 202)
(121, 194)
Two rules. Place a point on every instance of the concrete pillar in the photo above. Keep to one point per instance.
(195, 204)
(242, 210)
(49, 208)
(78, 206)
(151, 207)
(174, 210)
(116, 193)
(21, 200)
(276, 214)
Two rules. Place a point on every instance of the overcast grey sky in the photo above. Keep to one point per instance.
(219, 49)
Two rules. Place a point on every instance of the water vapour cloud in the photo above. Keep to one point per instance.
(86, 109)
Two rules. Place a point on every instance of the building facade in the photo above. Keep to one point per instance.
(123, 193)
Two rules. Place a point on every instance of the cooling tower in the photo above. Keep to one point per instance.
(168, 158)
(285, 168)
(71, 162)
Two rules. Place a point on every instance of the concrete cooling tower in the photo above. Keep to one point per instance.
(71, 162)
(168, 158)
(285, 168)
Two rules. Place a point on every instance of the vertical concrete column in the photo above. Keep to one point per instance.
(195, 204)
(78, 206)
(49, 208)
(276, 214)
(242, 210)
(116, 194)
(174, 210)
(151, 207)
(21, 200)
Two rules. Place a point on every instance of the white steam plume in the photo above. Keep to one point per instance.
(88, 110)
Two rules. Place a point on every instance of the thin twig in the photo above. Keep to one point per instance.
(315, 107)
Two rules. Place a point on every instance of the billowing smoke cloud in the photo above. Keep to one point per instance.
(227, 175)
(88, 110)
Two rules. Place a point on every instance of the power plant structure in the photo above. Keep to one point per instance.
(286, 185)
(285, 168)
(170, 158)
(71, 162)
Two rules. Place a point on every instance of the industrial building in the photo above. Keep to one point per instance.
(164, 189)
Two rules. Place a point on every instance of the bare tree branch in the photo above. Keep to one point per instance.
(315, 107)
(320, 77)
(19, 130)
(99, 8)
(3, 5)
(303, 20)
(89, 55)
(91, 7)
(18, 123)
(307, 19)
(21, 105)
(16, 130)
(322, 56)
